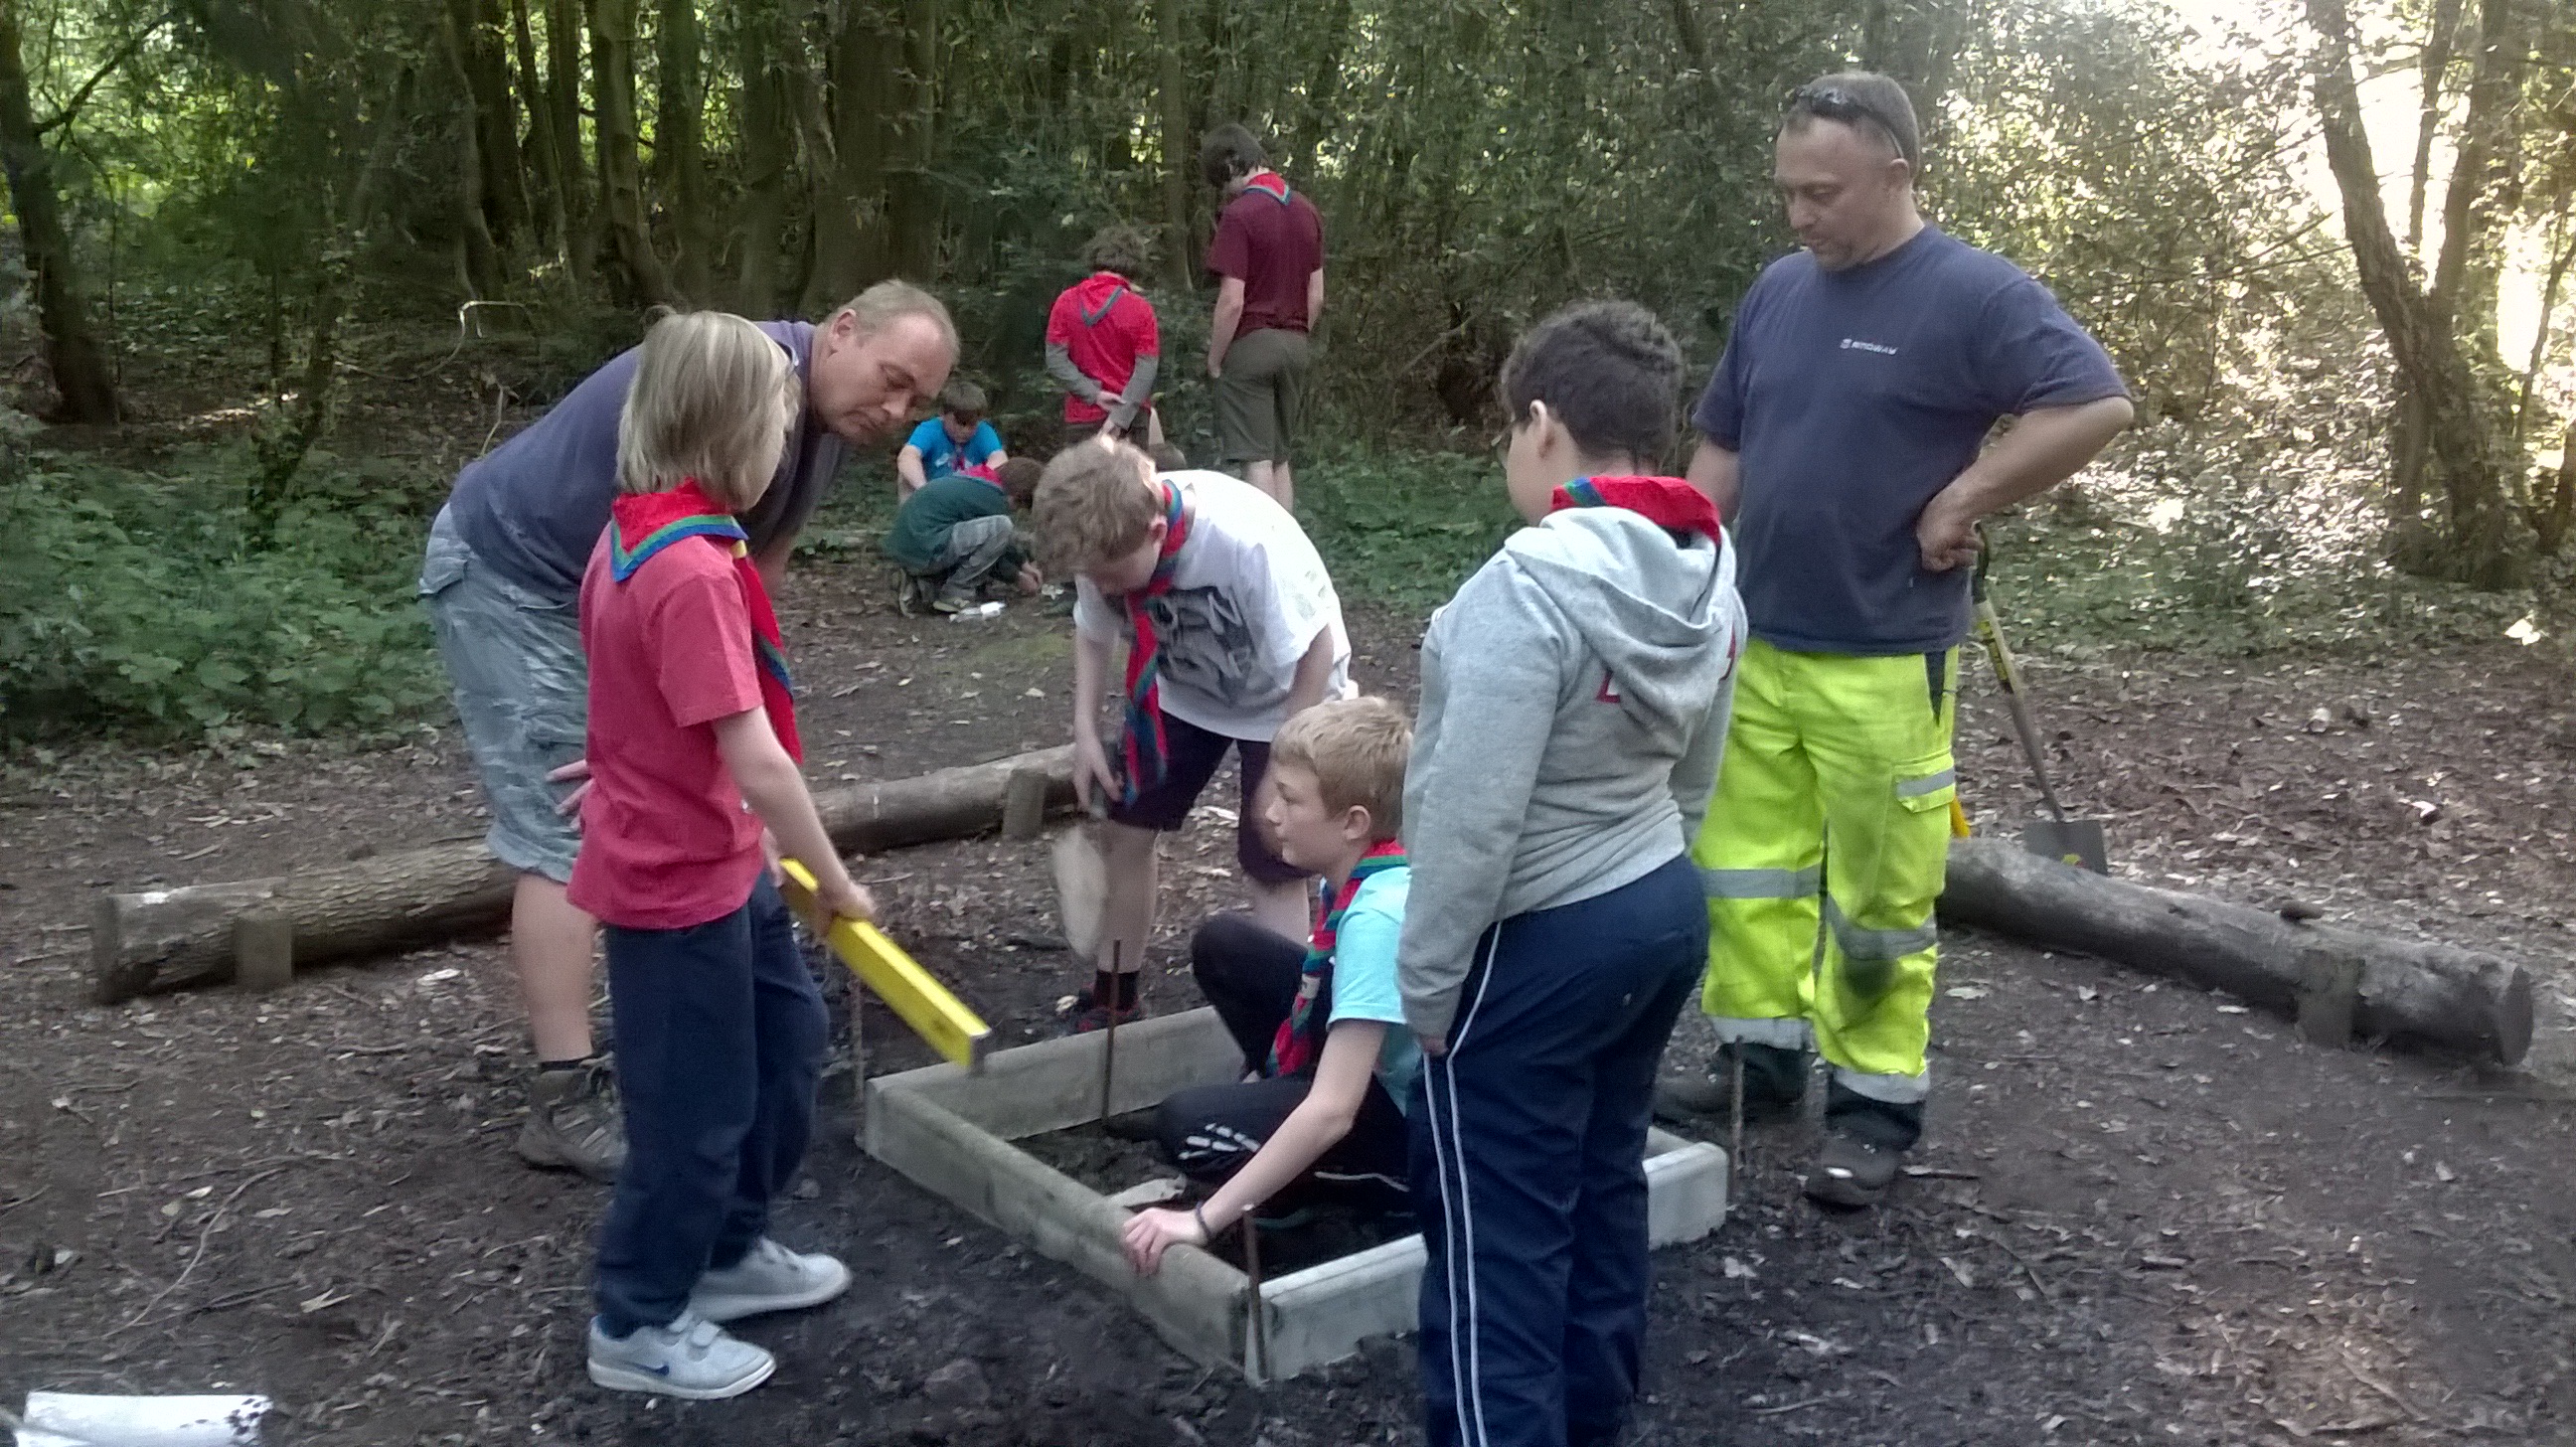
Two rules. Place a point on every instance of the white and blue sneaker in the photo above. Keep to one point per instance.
(692, 1358)
(768, 1278)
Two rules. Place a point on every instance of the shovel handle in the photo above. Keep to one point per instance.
(1998, 653)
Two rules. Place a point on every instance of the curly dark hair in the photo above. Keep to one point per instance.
(1126, 250)
(1609, 371)
(1229, 151)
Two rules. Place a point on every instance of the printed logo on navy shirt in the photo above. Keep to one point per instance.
(1855, 344)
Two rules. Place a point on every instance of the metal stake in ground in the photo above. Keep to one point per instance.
(1109, 1045)
(1252, 1307)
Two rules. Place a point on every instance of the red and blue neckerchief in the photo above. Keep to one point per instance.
(642, 524)
(1268, 183)
(1144, 755)
(1668, 502)
(1300, 1041)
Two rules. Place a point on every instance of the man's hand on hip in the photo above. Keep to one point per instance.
(1946, 532)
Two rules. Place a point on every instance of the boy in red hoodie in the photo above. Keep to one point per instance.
(1103, 343)
(692, 748)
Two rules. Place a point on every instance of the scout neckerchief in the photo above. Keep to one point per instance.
(1300, 1041)
(1668, 502)
(1268, 183)
(1143, 754)
(642, 524)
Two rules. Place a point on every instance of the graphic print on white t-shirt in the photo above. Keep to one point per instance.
(1249, 593)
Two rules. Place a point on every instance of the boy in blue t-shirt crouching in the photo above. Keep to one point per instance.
(955, 440)
(1323, 1025)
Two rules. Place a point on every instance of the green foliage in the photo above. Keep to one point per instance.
(1403, 528)
(135, 602)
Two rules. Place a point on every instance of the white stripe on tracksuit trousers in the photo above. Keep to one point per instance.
(1529, 1137)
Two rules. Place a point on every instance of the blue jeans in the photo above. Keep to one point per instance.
(720, 1042)
(1529, 1140)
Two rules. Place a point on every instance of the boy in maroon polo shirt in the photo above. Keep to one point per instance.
(1103, 343)
(1269, 253)
(692, 748)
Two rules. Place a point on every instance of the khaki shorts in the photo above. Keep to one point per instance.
(1256, 397)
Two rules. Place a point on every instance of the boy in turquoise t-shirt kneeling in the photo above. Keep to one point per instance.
(1323, 1025)
(957, 439)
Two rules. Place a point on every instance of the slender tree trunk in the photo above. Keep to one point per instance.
(621, 169)
(496, 122)
(1323, 91)
(541, 135)
(678, 152)
(82, 378)
(849, 220)
(912, 202)
(1180, 148)
(2436, 63)
(2485, 182)
(563, 118)
(2562, 252)
(478, 251)
(2462, 440)
(768, 151)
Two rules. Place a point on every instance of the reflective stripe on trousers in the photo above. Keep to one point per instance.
(1822, 853)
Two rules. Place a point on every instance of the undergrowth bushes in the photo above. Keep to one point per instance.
(134, 600)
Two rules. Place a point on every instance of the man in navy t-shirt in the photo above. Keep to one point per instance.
(1843, 437)
(502, 583)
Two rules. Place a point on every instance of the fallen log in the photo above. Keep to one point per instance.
(2409, 990)
(165, 939)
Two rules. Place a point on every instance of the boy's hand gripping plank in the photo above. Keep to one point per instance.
(936, 1015)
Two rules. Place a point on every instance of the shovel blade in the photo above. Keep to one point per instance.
(1081, 888)
(2074, 841)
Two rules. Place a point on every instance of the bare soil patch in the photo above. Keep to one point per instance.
(2149, 1218)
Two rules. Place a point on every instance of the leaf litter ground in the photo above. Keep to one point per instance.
(2147, 1216)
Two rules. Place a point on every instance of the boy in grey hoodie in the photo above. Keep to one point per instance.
(1574, 703)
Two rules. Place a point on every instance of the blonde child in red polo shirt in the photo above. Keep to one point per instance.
(692, 748)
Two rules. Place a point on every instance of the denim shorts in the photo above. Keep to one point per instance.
(522, 691)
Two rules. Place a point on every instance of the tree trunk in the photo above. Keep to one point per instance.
(563, 120)
(768, 149)
(551, 162)
(82, 378)
(2461, 439)
(1323, 91)
(679, 108)
(639, 273)
(1180, 148)
(912, 201)
(850, 208)
(2485, 183)
(2453, 999)
(479, 257)
(496, 122)
(2436, 63)
(166, 939)
(2562, 252)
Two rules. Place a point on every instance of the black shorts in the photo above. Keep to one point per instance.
(1191, 757)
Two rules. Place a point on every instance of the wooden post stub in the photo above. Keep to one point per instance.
(1024, 801)
(2329, 996)
(263, 951)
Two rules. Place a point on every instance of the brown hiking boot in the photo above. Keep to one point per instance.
(573, 1123)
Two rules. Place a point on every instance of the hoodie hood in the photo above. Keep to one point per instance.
(1661, 616)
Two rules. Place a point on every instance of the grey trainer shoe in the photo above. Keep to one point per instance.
(692, 1358)
(573, 1123)
(769, 1277)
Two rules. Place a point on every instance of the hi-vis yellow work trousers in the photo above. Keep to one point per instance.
(1822, 853)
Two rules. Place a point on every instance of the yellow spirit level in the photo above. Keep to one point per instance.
(915, 995)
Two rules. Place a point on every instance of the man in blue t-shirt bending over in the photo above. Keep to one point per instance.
(502, 583)
(1843, 439)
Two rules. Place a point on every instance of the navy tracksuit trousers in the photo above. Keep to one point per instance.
(1529, 1139)
(720, 1042)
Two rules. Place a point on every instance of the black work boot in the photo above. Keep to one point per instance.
(1865, 1144)
(1775, 1081)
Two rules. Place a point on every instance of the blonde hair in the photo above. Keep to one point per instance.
(1095, 502)
(712, 399)
(888, 302)
(1356, 748)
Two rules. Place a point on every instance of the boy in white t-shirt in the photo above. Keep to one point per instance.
(1323, 1025)
(1232, 628)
